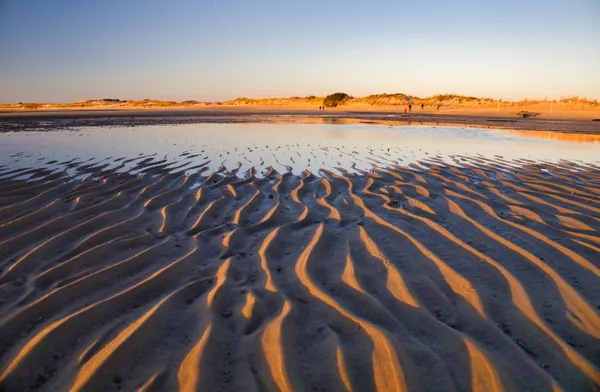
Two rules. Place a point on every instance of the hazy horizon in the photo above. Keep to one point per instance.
(220, 50)
(124, 100)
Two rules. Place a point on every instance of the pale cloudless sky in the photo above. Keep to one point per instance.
(66, 50)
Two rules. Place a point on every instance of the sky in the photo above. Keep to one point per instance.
(209, 50)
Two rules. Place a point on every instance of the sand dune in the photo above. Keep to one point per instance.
(483, 275)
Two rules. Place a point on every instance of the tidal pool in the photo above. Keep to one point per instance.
(289, 147)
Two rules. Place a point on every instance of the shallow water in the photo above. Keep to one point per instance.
(294, 147)
(482, 274)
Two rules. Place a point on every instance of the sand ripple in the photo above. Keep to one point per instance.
(483, 275)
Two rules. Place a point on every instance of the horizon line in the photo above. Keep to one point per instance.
(409, 97)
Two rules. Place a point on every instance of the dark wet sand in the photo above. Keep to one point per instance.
(48, 120)
(483, 277)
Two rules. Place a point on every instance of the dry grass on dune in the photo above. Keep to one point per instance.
(478, 277)
(310, 100)
(102, 103)
(443, 101)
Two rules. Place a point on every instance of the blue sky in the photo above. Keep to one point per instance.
(66, 50)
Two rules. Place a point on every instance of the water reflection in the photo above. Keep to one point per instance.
(567, 137)
(335, 143)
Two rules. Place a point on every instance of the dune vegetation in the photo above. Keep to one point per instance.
(338, 99)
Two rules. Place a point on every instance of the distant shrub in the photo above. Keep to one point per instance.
(336, 99)
(577, 100)
(450, 97)
(243, 101)
(31, 106)
(387, 99)
(311, 97)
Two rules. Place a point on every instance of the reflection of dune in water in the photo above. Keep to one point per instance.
(284, 147)
(565, 137)
(399, 120)
(479, 276)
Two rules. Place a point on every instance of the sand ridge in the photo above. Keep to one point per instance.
(482, 275)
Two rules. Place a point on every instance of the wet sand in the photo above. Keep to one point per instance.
(53, 119)
(483, 275)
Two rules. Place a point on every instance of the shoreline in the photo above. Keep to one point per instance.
(52, 119)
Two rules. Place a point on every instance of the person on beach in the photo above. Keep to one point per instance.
(410, 108)
(422, 106)
(404, 110)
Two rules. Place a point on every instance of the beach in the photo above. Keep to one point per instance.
(567, 119)
(385, 271)
(315, 196)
